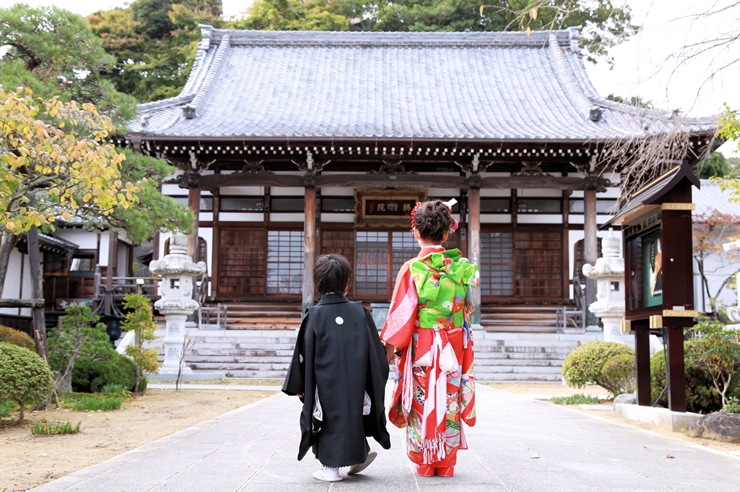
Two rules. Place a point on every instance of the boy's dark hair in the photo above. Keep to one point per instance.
(433, 220)
(332, 273)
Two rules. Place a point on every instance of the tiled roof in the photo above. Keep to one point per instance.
(354, 85)
(710, 197)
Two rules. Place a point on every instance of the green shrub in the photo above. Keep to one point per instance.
(732, 405)
(585, 365)
(53, 428)
(620, 371)
(80, 335)
(24, 377)
(578, 399)
(16, 337)
(701, 397)
(93, 403)
(90, 375)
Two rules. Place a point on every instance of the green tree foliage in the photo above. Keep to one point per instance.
(721, 355)
(154, 43)
(80, 335)
(585, 365)
(604, 24)
(139, 320)
(54, 52)
(54, 162)
(297, 15)
(154, 212)
(717, 166)
(24, 377)
(701, 396)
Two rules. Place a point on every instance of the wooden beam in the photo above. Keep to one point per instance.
(213, 181)
(21, 303)
(309, 237)
(675, 376)
(194, 205)
(394, 180)
(642, 362)
(590, 242)
(534, 182)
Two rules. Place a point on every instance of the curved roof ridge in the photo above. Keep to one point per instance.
(565, 38)
(215, 68)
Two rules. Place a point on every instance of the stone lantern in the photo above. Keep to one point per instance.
(609, 275)
(176, 304)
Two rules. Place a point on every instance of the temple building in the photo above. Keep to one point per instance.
(295, 144)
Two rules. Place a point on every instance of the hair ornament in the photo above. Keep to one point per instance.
(413, 216)
(449, 204)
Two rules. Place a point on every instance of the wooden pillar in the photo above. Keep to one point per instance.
(194, 205)
(309, 252)
(474, 240)
(590, 244)
(675, 375)
(34, 260)
(642, 363)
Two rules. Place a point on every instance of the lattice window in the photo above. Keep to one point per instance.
(539, 264)
(241, 262)
(497, 263)
(340, 243)
(404, 247)
(371, 263)
(285, 262)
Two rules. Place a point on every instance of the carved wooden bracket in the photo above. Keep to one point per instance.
(196, 164)
(254, 167)
(530, 168)
(392, 167)
(311, 169)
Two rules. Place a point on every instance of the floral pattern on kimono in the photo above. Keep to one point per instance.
(435, 388)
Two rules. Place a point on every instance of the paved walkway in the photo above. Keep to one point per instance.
(519, 444)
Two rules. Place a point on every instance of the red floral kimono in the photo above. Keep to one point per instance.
(428, 320)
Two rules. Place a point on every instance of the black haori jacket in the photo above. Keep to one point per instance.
(338, 350)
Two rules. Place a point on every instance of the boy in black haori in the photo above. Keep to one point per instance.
(339, 370)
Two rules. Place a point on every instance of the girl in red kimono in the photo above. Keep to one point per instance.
(428, 324)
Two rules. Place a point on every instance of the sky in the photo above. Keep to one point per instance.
(646, 65)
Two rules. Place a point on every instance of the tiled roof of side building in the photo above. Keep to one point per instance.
(349, 85)
(711, 197)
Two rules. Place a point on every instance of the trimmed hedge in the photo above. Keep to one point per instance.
(585, 365)
(24, 377)
(16, 337)
(90, 375)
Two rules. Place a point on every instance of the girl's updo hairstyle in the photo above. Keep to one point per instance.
(433, 220)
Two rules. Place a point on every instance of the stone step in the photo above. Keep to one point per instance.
(519, 377)
(214, 366)
(479, 370)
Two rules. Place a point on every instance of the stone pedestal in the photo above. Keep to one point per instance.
(176, 288)
(609, 305)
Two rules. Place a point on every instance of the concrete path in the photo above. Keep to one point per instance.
(519, 444)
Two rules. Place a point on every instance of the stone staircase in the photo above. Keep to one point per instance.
(266, 353)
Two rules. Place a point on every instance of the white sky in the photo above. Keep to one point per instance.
(644, 66)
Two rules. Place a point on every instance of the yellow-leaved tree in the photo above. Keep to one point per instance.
(54, 163)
